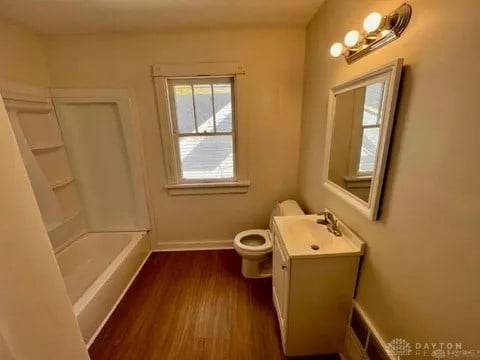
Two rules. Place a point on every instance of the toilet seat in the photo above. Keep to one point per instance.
(265, 247)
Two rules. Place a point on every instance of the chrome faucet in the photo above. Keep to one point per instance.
(330, 222)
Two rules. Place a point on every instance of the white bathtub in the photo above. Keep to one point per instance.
(97, 269)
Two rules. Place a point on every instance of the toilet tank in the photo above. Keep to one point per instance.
(285, 208)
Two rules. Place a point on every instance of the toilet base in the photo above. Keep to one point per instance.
(257, 268)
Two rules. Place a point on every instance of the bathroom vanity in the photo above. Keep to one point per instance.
(314, 275)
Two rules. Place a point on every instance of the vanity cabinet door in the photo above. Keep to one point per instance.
(280, 280)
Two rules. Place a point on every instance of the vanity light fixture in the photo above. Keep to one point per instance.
(336, 49)
(372, 22)
(378, 30)
(352, 38)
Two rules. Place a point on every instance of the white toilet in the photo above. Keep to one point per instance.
(255, 246)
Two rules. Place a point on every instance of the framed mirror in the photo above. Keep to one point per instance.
(359, 126)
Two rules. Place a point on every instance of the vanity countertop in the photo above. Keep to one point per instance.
(302, 236)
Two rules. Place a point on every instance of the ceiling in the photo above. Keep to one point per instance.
(88, 16)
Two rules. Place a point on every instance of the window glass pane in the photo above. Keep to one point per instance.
(203, 107)
(223, 106)
(373, 104)
(369, 118)
(368, 151)
(206, 157)
(184, 108)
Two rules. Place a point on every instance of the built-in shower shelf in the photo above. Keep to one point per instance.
(61, 183)
(55, 226)
(46, 147)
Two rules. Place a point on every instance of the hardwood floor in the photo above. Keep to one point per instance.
(192, 305)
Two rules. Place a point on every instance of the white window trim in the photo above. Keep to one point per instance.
(175, 186)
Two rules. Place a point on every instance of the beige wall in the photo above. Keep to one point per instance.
(21, 56)
(270, 101)
(36, 317)
(419, 277)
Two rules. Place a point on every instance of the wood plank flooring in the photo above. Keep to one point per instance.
(192, 305)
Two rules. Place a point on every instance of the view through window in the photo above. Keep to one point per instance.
(203, 118)
(371, 122)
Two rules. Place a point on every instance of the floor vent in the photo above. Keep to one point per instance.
(362, 340)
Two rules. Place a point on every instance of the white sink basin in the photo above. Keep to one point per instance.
(304, 237)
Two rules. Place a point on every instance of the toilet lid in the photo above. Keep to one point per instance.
(241, 240)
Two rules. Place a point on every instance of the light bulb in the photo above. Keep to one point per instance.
(352, 37)
(336, 49)
(372, 22)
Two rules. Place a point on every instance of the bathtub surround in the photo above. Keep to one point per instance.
(99, 130)
(273, 59)
(415, 281)
(45, 158)
(97, 141)
(36, 318)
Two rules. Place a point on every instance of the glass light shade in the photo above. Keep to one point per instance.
(352, 37)
(372, 22)
(336, 49)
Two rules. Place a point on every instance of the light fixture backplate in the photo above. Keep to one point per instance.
(399, 20)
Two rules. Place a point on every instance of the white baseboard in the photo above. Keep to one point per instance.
(194, 245)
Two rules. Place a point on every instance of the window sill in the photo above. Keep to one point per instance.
(358, 182)
(208, 188)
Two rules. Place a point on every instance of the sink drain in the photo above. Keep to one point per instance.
(314, 247)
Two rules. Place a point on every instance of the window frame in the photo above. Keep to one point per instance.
(166, 74)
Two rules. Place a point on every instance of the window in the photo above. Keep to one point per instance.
(367, 113)
(204, 142)
(371, 122)
(202, 120)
